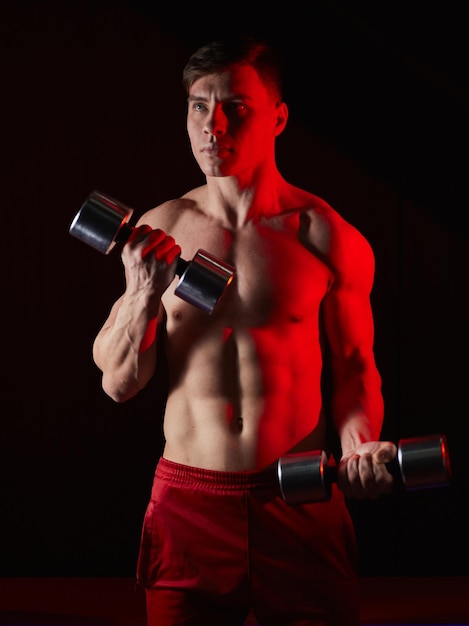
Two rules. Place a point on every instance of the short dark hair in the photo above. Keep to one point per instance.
(218, 55)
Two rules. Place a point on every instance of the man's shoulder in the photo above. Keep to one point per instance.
(321, 211)
(303, 201)
(170, 211)
(328, 230)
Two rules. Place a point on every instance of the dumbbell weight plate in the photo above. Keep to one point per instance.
(101, 222)
(424, 462)
(204, 280)
(302, 477)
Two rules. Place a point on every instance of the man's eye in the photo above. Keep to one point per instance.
(198, 106)
(237, 106)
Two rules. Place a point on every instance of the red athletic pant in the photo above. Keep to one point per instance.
(217, 544)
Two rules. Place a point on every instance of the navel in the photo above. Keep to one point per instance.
(177, 315)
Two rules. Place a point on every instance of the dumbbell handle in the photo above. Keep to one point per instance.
(102, 222)
(421, 463)
(126, 230)
(331, 474)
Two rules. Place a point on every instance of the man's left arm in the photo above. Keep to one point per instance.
(357, 400)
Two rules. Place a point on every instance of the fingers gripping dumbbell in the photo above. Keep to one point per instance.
(421, 463)
(102, 222)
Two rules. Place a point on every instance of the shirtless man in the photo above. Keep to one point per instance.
(245, 381)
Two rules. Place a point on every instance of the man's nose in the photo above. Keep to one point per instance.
(216, 122)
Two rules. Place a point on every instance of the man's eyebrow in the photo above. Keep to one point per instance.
(239, 96)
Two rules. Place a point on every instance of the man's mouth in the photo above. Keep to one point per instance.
(215, 149)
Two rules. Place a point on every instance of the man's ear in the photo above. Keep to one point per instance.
(282, 117)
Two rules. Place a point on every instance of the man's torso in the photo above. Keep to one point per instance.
(245, 381)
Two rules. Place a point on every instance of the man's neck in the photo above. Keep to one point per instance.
(235, 204)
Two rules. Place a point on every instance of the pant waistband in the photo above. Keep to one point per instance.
(178, 473)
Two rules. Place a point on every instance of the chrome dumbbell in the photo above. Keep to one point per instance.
(421, 463)
(102, 222)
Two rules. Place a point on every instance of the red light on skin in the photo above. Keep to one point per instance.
(229, 413)
(150, 335)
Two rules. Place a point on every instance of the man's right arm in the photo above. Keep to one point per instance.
(125, 348)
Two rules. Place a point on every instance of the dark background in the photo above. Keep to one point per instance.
(91, 99)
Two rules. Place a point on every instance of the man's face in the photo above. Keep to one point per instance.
(232, 122)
